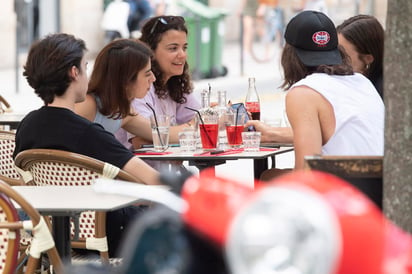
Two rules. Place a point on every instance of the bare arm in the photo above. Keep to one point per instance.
(140, 126)
(142, 171)
(302, 109)
(272, 134)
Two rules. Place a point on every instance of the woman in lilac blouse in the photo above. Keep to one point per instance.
(172, 91)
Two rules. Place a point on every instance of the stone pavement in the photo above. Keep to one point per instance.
(268, 79)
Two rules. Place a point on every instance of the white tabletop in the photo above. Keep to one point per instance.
(11, 117)
(64, 199)
(177, 155)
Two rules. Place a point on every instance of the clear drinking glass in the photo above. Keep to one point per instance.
(160, 124)
(251, 141)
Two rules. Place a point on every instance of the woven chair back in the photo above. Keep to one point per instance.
(62, 168)
(8, 171)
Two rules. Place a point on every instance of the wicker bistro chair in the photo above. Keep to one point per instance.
(10, 227)
(4, 105)
(57, 167)
(363, 172)
(8, 171)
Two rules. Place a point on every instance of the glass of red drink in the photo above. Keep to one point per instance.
(235, 123)
(208, 135)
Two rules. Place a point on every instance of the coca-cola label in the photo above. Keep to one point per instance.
(253, 106)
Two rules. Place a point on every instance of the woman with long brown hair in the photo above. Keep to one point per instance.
(172, 91)
(122, 72)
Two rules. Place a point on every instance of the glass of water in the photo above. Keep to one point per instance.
(160, 124)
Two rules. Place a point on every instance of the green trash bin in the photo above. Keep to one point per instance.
(217, 32)
(204, 39)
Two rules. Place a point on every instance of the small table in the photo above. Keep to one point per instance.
(11, 119)
(260, 158)
(62, 202)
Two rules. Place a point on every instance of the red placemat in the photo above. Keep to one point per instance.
(231, 151)
(268, 149)
(152, 153)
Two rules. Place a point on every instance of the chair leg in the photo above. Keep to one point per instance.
(55, 261)
(32, 265)
(21, 262)
(104, 256)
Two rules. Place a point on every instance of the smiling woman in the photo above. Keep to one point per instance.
(172, 90)
(122, 72)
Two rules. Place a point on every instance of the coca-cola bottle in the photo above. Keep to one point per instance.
(252, 101)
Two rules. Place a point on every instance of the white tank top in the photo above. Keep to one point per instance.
(359, 113)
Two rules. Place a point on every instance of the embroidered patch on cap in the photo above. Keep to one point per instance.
(321, 38)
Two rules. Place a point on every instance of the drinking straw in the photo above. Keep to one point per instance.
(237, 114)
(203, 123)
(157, 124)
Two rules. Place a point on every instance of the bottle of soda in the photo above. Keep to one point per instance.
(252, 101)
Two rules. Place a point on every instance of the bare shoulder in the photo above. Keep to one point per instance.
(304, 95)
(87, 108)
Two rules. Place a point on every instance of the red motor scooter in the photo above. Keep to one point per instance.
(300, 223)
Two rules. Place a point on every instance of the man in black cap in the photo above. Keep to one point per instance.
(332, 110)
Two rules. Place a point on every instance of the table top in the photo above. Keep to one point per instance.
(64, 199)
(8, 117)
(175, 154)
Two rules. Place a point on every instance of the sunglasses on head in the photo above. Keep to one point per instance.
(165, 20)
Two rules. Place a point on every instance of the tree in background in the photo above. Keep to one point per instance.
(398, 121)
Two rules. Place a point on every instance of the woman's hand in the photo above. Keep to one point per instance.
(137, 142)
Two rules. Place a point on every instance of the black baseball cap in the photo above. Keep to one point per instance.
(314, 37)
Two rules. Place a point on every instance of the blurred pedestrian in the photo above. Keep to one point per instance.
(161, 7)
(140, 10)
(316, 5)
(253, 21)
(114, 21)
(362, 36)
(274, 24)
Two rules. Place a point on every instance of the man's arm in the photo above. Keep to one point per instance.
(142, 171)
(302, 109)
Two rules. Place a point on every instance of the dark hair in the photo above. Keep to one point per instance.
(366, 34)
(48, 64)
(294, 70)
(152, 33)
(116, 66)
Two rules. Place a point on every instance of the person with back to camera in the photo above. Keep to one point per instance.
(172, 91)
(122, 72)
(56, 70)
(362, 37)
(331, 109)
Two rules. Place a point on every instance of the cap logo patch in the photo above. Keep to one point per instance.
(321, 38)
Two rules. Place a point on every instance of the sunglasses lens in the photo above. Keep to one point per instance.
(163, 21)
